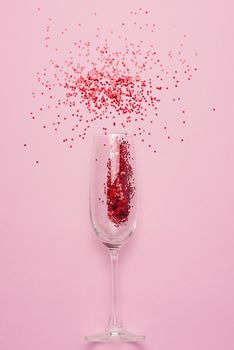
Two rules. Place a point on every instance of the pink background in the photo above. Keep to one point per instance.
(176, 273)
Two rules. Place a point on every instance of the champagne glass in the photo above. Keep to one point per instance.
(113, 211)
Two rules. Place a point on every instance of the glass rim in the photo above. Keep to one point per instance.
(121, 134)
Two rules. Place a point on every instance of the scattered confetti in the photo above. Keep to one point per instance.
(114, 88)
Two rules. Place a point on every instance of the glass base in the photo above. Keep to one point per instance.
(115, 336)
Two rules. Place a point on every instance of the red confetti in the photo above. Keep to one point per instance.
(113, 85)
(120, 188)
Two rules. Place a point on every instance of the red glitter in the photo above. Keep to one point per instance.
(120, 189)
(99, 82)
(101, 90)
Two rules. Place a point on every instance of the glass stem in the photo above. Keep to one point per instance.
(114, 319)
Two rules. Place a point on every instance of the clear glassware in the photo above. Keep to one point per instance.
(113, 211)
